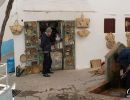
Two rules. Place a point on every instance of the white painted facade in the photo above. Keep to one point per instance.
(88, 48)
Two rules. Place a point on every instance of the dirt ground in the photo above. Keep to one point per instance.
(62, 85)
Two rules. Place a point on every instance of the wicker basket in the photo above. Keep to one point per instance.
(82, 22)
(16, 29)
(83, 33)
(23, 58)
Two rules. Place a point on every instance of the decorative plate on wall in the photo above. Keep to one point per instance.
(23, 58)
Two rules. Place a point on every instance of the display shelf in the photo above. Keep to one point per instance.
(69, 44)
(31, 42)
(67, 39)
(31, 46)
(55, 50)
(33, 59)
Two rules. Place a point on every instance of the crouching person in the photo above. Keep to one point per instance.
(124, 60)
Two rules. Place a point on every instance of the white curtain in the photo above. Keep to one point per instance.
(1, 2)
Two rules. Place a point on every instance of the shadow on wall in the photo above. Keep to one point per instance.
(7, 50)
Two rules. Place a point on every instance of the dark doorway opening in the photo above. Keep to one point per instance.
(56, 42)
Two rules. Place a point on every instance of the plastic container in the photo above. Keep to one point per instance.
(10, 65)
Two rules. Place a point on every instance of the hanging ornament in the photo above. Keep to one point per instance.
(16, 29)
(82, 25)
(83, 33)
(110, 40)
(82, 22)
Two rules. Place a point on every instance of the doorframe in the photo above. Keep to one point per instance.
(62, 21)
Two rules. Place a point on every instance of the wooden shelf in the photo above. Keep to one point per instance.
(32, 59)
(55, 50)
(30, 45)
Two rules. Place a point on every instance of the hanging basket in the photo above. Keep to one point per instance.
(16, 29)
(83, 33)
(82, 22)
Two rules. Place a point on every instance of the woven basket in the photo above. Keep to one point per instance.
(82, 22)
(23, 58)
(16, 29)
(83, 33)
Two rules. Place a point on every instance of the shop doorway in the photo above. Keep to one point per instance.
(56, 42)
(62, 40)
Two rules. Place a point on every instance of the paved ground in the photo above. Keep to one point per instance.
(62, 85)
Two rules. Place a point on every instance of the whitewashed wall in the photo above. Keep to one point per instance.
(88, 48)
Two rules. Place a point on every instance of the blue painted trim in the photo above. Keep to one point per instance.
(7, 47)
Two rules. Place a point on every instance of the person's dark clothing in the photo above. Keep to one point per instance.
(50, 63)
(128, 80)
(47, 63)
(46, 47)
(45, 43)
(124, 60)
